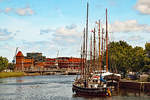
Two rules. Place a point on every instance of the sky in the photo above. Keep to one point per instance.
(55, 27)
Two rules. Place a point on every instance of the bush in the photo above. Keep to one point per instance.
(3, 63)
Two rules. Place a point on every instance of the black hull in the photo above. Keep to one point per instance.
(94, 92)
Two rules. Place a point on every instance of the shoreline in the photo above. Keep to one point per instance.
(21, 74)
(11, 74)
(16, 74)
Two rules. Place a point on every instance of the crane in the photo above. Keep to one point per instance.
(14, 58)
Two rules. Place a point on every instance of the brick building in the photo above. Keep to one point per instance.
(51, 63)
(22, 63)
(69, 62)
(35, 61)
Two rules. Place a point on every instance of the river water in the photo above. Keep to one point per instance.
(53, 87)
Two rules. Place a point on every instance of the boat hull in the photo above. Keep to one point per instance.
(95, 92)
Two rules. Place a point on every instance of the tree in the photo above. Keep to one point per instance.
(10, 66)
(3, 63)
(123, 58)
(138, 56)
(146, 67)
(119, 56)
(147, 49)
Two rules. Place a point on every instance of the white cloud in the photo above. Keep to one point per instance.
(129, 26)
(24, 11)
(135, 38)
(3, 38)
(46, 31)
(5, 34)
(7, 10)
(20, 11)
(143, 6)
(72, 26)
(66, 33)
(71, 30)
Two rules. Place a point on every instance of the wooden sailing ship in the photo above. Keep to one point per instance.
(91, 81)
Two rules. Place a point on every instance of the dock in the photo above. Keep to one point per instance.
(135, 85)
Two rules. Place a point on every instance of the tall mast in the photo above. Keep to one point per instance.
(102, 45)
(94, 49)
(91, 56)
(86, 49)
(87, 29)
(81, 73)
(100, 64)
(106, 43)
(83, 68)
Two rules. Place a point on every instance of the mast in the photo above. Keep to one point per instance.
(81, 73)
(100, 64)
(102, 46)
(87, 67)
(87, 29)
(91, 56)
(94, 49)
(106, 43)
(83, 67)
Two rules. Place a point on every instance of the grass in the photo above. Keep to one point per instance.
(11, 74)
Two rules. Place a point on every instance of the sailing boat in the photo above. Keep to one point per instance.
(91, 82)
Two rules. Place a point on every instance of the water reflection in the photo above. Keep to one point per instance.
(54, 87)
(19, 80)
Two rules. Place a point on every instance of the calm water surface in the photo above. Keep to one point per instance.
(55, 87)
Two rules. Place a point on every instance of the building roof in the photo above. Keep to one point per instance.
(50, 59)
(19, 53)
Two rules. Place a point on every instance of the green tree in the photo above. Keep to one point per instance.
(147, 49)
(123, 58)
(119, 56)
(146, 67)
(3, 63)
(10, 66)
(138, 56)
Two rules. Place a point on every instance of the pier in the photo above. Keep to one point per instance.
(139, 86)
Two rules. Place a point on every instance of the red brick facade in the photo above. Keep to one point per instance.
(23, 63)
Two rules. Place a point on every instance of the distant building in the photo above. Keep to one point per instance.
(36, 56)
(51, 63)
(35, 61)
(69, 62)
(22, 63)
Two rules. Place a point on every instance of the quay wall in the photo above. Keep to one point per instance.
(140, 86)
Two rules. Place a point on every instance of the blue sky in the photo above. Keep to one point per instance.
(50, 25)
